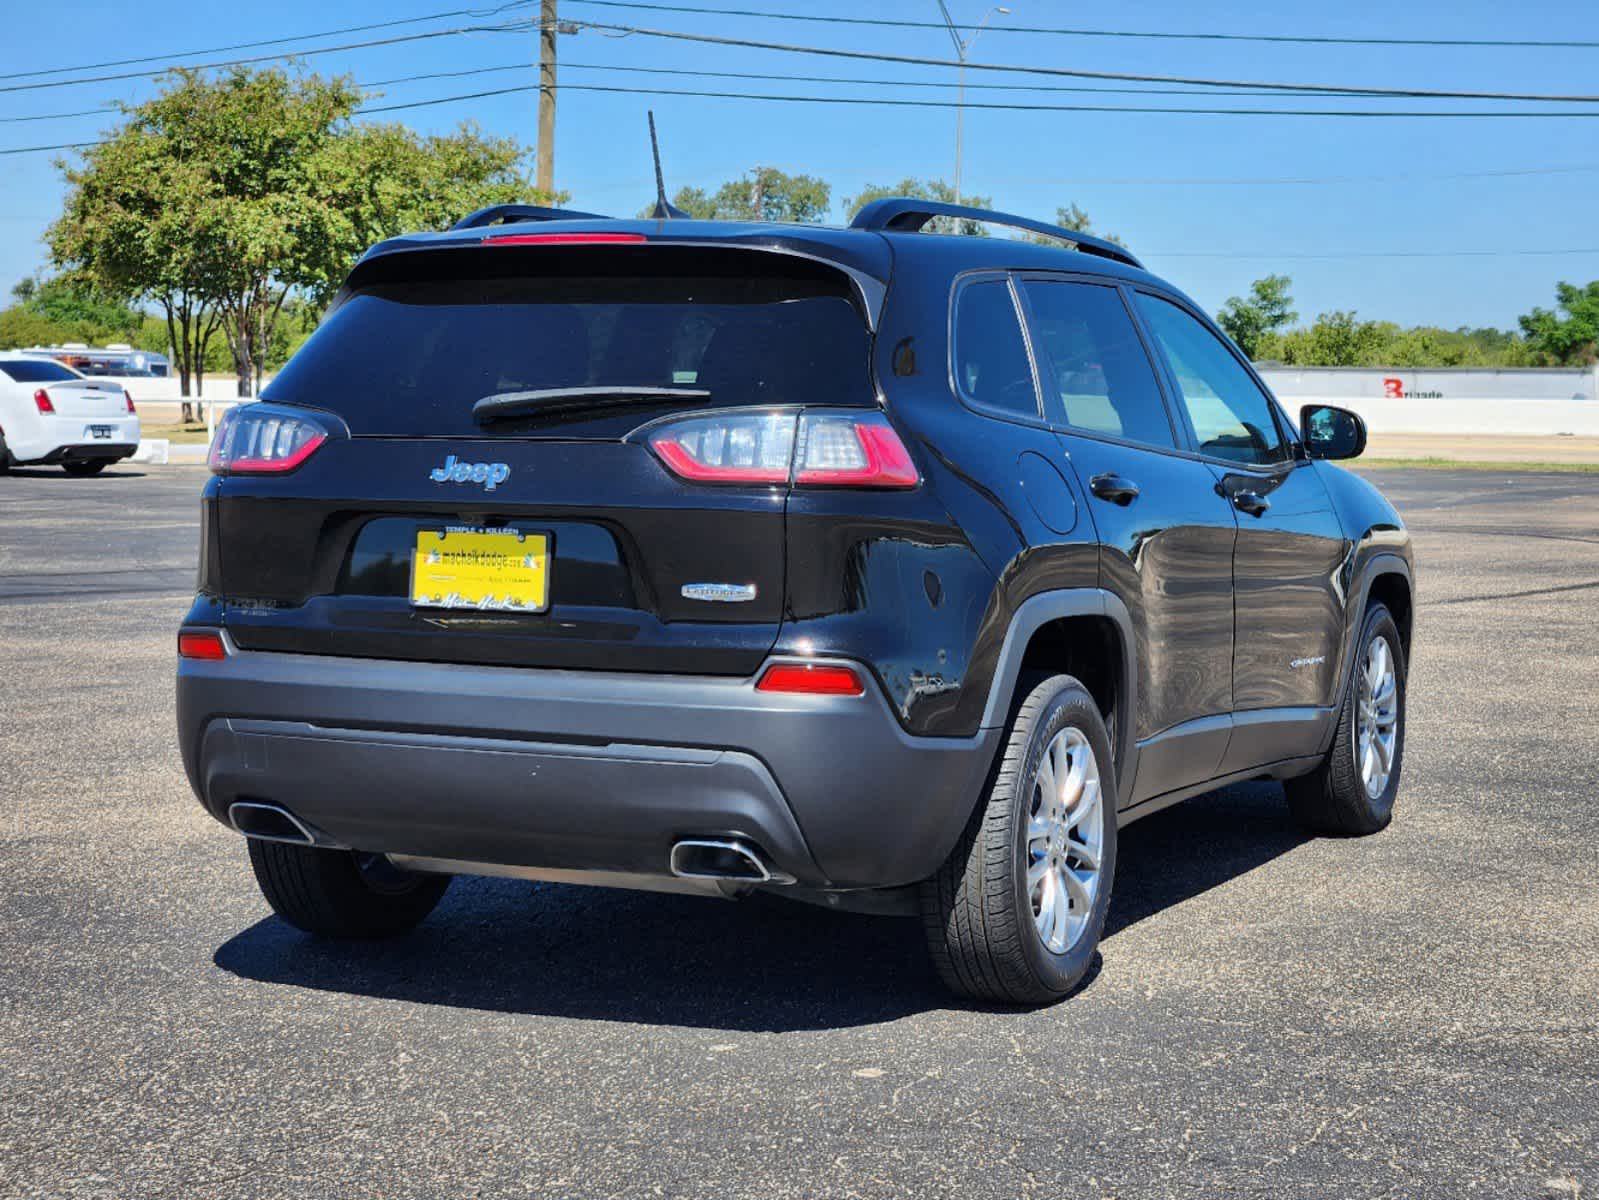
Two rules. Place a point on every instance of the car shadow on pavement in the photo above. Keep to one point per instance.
(596, 954)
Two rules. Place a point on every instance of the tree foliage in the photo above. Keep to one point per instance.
(1568, 335)
(224, 196)
(1267, 309)
(764, 194)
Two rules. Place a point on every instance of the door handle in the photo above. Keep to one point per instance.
(1114, 488)
(1252, 503)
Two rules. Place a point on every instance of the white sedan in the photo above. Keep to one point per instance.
(51, 414)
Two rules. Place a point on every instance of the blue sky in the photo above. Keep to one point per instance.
(1188, 193)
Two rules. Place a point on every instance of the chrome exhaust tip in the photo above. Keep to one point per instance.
(731, 860)
(274, 823)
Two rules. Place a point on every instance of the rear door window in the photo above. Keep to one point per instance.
(1091, 355)
(43, 370)
(1231, 416)
(990, 356)
(410, 357)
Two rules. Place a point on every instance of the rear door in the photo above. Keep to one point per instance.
(1291, 549)
(1166, 536)
(647, 570)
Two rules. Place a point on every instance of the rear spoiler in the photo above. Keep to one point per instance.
(868, 290)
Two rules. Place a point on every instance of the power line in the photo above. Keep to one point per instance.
(1298, 39)
(508, 27)
(1013, 107)
(1083, 88)
(882, 101)
(124, 62)
(913, 60)
(1075, 73)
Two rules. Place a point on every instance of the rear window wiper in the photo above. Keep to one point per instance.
(549, 400)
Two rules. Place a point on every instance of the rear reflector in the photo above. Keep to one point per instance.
(817, 448)
(811, 679)
(564, 239)
(41, 401)
(206, 645)
(264, 439)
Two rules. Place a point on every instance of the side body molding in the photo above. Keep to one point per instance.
(1033, 615)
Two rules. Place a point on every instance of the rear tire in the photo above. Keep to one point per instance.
(1032, 845)
(342, 894)
(1352, 792)
(81, 467)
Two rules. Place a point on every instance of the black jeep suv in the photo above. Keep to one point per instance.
(871, 567)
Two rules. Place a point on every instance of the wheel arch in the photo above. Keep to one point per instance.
(1084, 631)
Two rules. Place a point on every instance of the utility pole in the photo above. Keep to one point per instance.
(546, 148)
(961, 47)
(758, 194)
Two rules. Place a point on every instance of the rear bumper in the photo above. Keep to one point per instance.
(599, 771)
(89, 451)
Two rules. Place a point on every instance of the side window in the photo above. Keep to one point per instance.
(1230, 414)
(1096, 362)
(991, 364)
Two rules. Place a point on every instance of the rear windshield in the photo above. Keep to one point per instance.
(410, 357)
(35, 370)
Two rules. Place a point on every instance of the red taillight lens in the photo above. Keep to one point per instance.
(813, 449)
(849, 451)
(41, 401)
(128, 396)
(264, 439)
(811, 679)
(206, 645)
(564, 239)
(739, 448)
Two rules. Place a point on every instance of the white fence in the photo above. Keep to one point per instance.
(1401, 400)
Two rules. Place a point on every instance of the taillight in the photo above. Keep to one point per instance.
(813, 449)
(41, 401)
(263, 439)
(204, 644)
(811, 679)
(128, 396)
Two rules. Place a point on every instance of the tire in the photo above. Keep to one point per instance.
(978, 911)
(81, 467)
(1339, 797)
(341, 894)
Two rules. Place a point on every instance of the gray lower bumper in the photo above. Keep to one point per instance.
(576, 770)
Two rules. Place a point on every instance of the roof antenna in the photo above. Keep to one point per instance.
(663, 209)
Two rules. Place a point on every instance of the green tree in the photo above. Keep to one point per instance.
(764, 194)
(924, 189)
(224, 196)
(1568, 335)
(1267, 309)
(63, 309)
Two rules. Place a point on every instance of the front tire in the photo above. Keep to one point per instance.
(341, 893)
(1015, 913)
(1352, 792)
(80, 467)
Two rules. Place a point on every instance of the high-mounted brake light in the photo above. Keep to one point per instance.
(41, 401)
(206, 645)
(811, 679)
(128, 396)
(264, 439)
(564, 239)
(818, 448)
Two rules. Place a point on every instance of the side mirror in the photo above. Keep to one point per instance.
(1331, 432)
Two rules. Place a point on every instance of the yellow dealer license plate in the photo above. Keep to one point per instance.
(497, 570)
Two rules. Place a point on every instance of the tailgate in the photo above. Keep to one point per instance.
(322, 559)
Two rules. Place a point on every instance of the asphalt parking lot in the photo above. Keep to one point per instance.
(1411, 1015)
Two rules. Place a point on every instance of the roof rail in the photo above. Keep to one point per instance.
(906, 215)
(510, 213)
